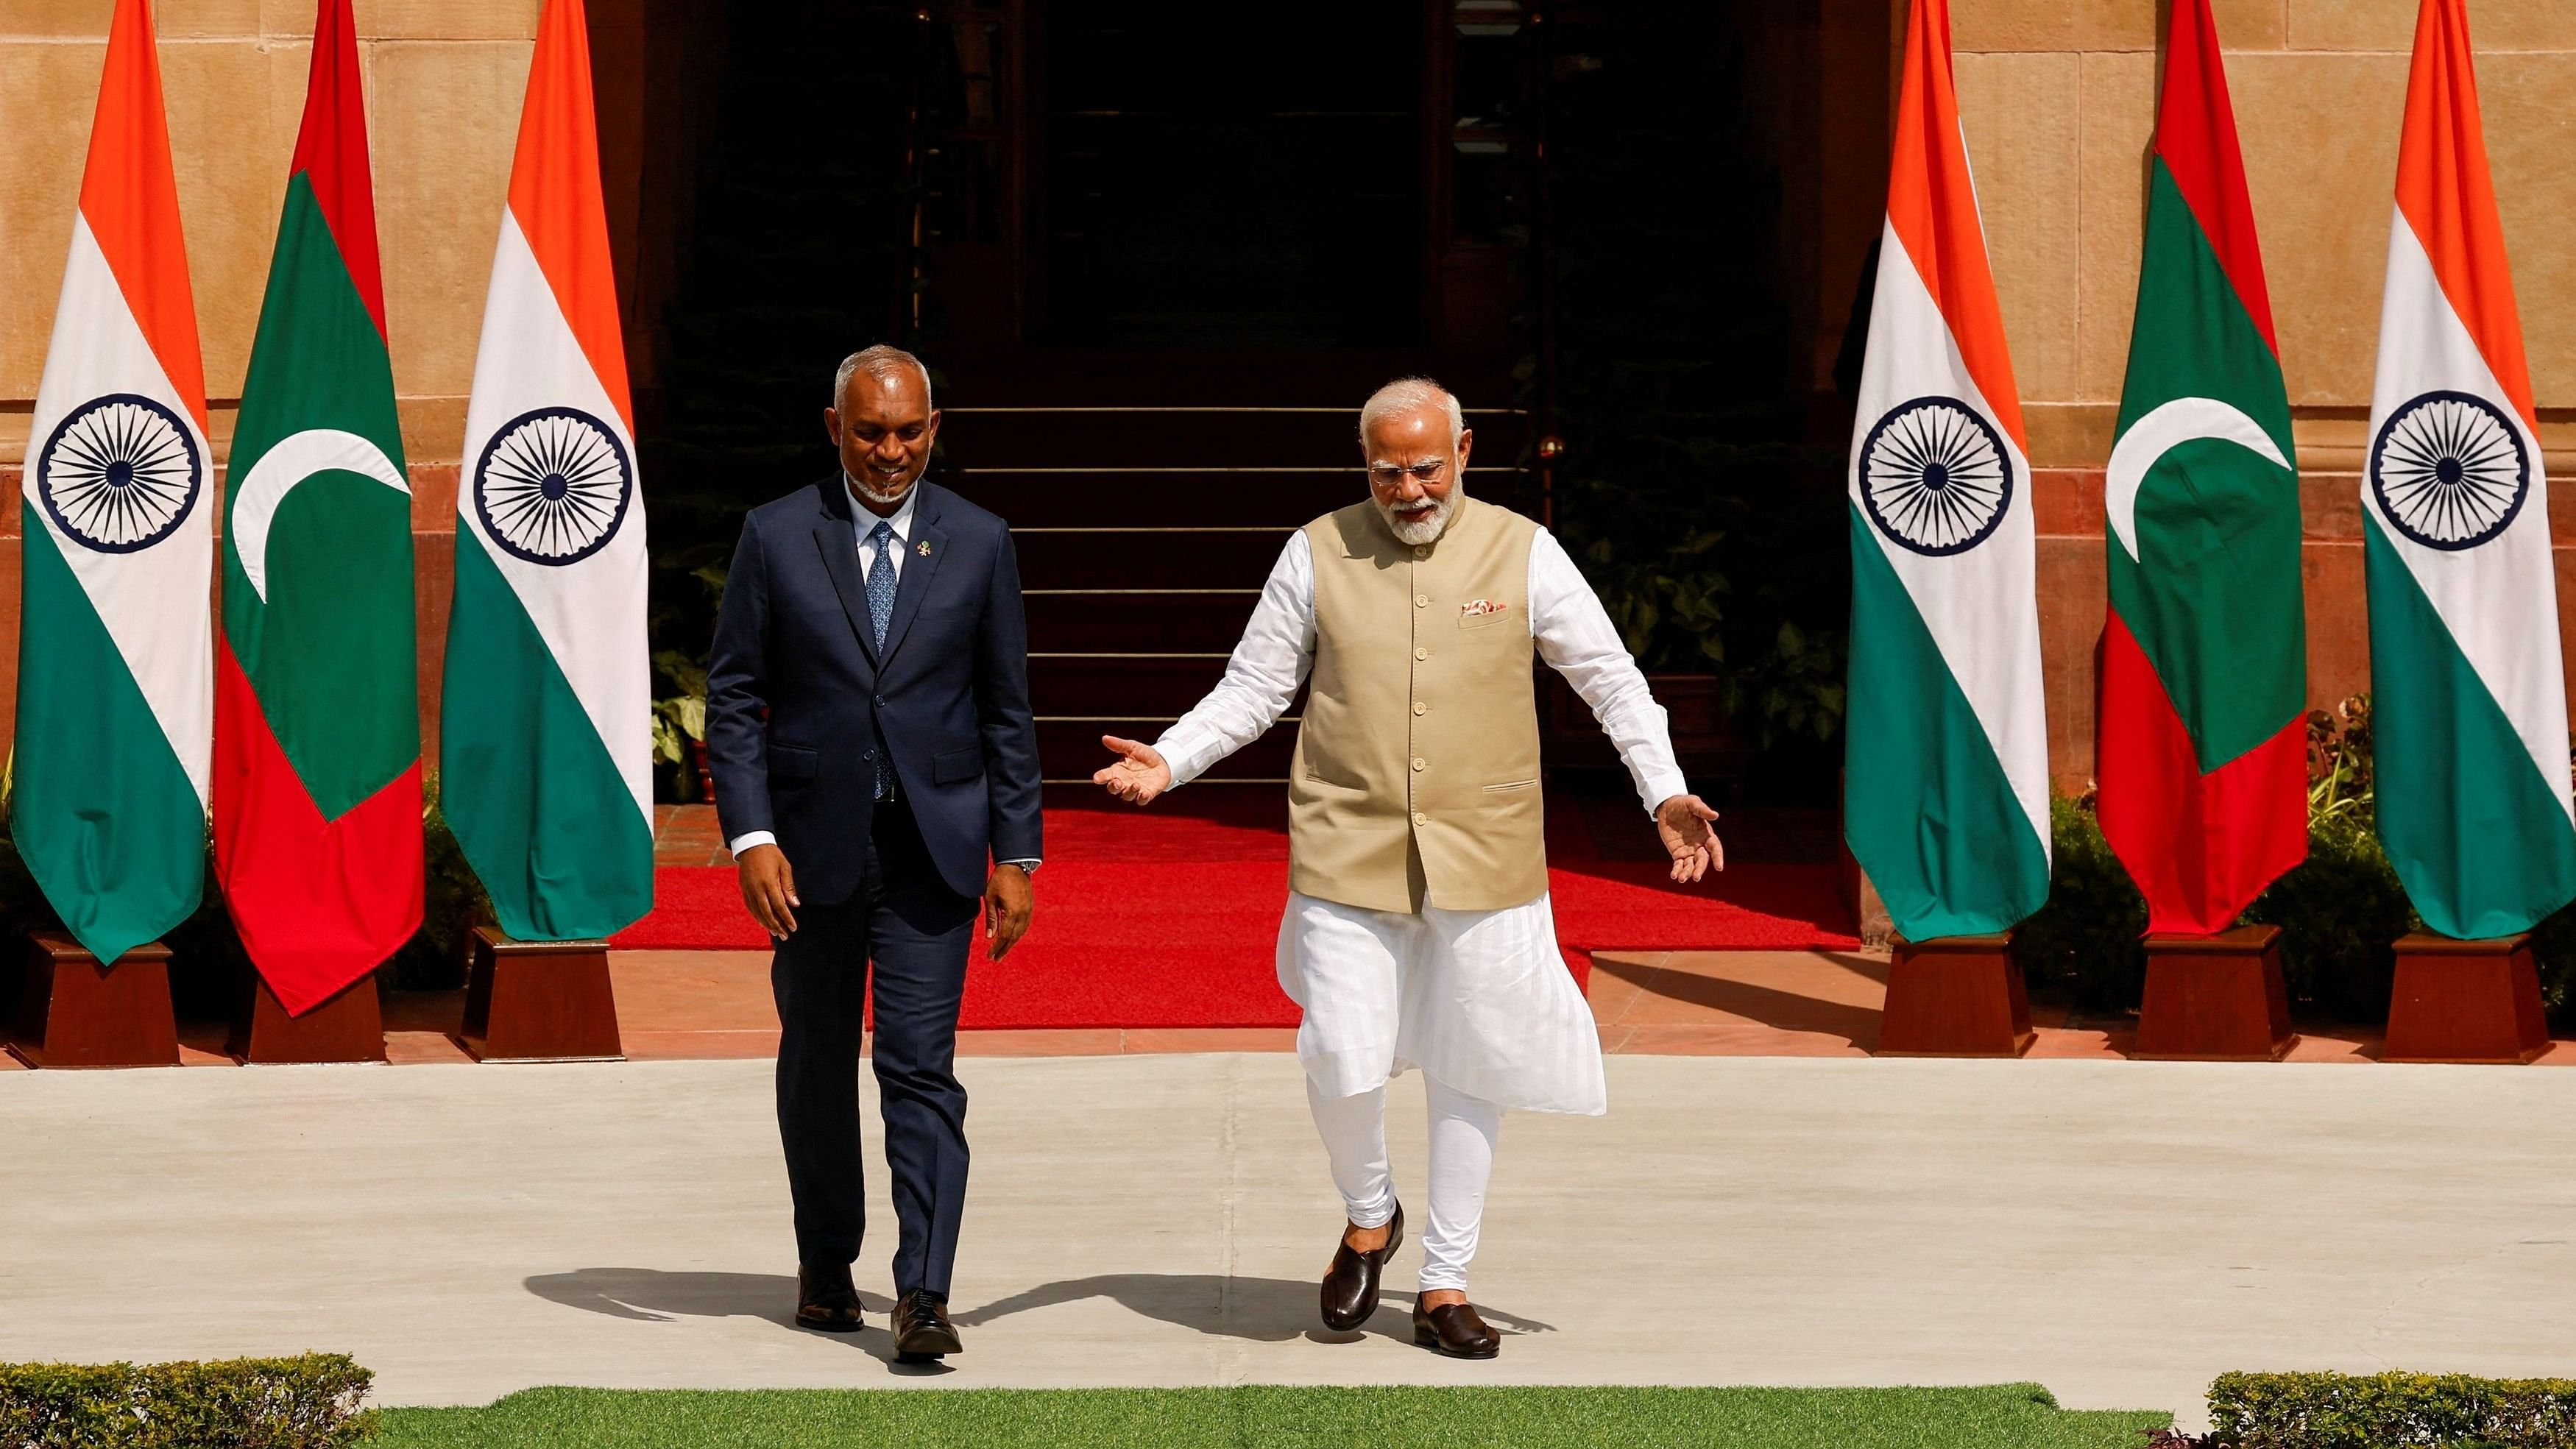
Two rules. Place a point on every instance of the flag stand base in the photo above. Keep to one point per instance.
(539, 1001)
(2465, 1001)
(78, 1013)
(2215, 998)
(349, 1027)
(1955, 996)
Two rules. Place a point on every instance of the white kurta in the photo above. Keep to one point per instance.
(1481, 1000)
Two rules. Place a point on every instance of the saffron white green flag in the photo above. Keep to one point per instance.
(545, 746)
(115, 652)
(2469, 702)
(1946, 784)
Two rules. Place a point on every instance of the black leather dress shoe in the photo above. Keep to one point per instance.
(1350, 1284)
(1454, 1329)
(922, 1331)
(825, 1299)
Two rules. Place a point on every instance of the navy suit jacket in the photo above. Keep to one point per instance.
(800, 699)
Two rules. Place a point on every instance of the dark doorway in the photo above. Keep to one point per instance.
(1224, 176)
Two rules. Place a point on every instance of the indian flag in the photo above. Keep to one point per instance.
(1947, 756)
(2469, 701)
(2203, 734)
(317, 705)
(115, 683)
(545, 735)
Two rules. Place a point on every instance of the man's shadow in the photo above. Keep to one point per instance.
(1258, 1310)
(650, 1295)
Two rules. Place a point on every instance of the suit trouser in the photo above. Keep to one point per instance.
(915, 930)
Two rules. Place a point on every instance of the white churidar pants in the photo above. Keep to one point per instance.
(1480, 1000)
(1463, 1134)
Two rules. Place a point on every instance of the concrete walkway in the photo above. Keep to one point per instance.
(2118, 1231)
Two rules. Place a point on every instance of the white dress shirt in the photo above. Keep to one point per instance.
(1573, 633)
(862, 523)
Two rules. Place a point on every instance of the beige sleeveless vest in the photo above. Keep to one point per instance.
(1416, 777)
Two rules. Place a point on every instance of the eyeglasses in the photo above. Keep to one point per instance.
(1427, 473)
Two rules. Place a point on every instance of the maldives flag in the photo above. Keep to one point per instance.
(1947, 755)
(115, 698)
(2202, 743)
(545, 738)
(317, 725)
(2468, 699)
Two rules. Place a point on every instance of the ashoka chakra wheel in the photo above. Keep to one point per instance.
(119, 473)
(2449, 470)
(553, 485)
(1935, 476)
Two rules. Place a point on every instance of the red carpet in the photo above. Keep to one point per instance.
(1171, 920)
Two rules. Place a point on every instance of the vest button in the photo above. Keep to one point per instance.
(1420, 708)
(1422, 601)
(1420, 763)
(1422, 550)
(1421, 653)
(1421, 819)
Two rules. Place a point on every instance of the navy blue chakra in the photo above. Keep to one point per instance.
(2450, 470)
(553, 485)
(1935, 477)
(119, 473)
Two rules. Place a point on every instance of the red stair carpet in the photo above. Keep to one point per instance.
(1168, 918)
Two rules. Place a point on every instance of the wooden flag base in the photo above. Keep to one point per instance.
(539, 1001)
(1955, 996)
(349, 1027)
(2215, 998)
(75, 1012)
(2465, 1001)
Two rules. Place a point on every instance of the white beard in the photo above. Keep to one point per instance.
(1422, 531)
(859, 484)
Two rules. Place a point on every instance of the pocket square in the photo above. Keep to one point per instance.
(1477, 608)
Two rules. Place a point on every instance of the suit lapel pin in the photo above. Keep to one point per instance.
(923, 548)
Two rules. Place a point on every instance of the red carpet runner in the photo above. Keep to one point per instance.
(1172, 920)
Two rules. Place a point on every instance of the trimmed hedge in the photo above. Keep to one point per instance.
(308, 1402)
(2390, 1411)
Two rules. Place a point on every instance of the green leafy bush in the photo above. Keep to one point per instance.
(2089, 937)
(2342, 911)
(308, 1402)
(2390, 1411)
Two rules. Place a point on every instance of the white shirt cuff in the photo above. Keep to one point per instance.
(748, 839)
(1661, 787)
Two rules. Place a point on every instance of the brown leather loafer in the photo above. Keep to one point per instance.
(824, 1298)
(1350, 1285)
(922, 1331)
(1454, 1329)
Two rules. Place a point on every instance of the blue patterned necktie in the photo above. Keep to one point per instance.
(881, 583)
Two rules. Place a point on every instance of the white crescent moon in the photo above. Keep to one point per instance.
(2177, 422)
(296, 457)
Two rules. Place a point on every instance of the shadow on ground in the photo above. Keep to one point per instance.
(650, 1295)
(1261, 1310)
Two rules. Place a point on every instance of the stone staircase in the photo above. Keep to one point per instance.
(1144, 534)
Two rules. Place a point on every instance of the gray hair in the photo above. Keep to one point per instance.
(1407, 395)
(881, 362)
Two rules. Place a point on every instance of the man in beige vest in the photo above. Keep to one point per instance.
(1418, 930)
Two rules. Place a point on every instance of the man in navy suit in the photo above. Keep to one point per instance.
(868, 724)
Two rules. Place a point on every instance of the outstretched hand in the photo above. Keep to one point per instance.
(1139, 774)
(1683, 823)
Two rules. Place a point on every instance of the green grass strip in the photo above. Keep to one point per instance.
(2012, 1416)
